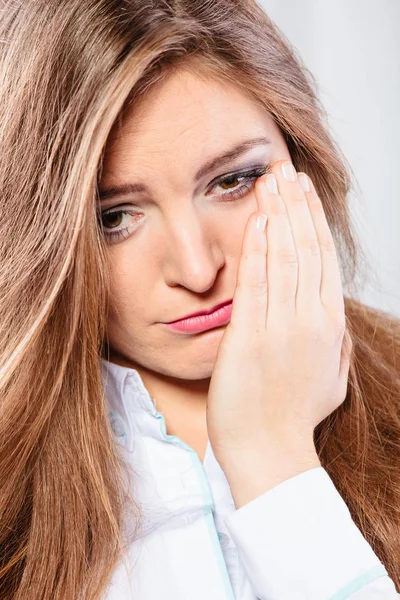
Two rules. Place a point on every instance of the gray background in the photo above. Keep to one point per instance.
(353, 49)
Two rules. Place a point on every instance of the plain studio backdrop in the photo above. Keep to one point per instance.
(352, 48)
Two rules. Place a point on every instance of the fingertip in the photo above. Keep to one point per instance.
(261, 223)
(271, 184)
(304, 182)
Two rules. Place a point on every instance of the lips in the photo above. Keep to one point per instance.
(202, 323)
(202, 312)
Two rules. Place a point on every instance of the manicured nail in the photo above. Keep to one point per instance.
(303, 179)
(272, 185)
(261, 223)
(288, 171)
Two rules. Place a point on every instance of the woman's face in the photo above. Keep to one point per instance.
(182, 236)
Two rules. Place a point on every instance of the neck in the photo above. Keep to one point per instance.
(182, 403)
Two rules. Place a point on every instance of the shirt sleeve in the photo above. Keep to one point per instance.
(299, 541)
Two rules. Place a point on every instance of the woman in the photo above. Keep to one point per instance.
(141, 142)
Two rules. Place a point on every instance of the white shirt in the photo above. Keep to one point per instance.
(297, 541)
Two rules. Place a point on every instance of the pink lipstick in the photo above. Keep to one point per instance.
(220, 316)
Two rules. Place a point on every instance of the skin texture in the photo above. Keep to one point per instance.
(184, 245)
(283, 362)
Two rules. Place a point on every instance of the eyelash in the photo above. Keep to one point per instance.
(250, 176)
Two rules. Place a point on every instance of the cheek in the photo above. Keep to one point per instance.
(232, 226)
(129, 283)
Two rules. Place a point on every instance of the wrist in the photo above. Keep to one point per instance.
(254, 472)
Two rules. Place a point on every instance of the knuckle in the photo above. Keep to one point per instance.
(312, 245)
(328, 246)
(257, 286)
(287, 288)
(259, 291)
(278, 207)
(288, 255)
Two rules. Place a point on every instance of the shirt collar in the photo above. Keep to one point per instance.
(125, 386)
(133, 414)
(131, 410)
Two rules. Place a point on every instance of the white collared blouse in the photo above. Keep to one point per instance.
(297, 541)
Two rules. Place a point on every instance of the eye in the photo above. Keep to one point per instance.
(114, 218)
(237, 185)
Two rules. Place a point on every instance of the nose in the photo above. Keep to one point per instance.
(193, 253)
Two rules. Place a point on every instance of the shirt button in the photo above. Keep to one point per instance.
(117, 424)
(224, 540)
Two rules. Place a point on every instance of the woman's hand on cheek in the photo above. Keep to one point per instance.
(283, 361)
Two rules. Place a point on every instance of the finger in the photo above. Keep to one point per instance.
(249, 305)
(304, 235)
(331, 291)
(282, 261)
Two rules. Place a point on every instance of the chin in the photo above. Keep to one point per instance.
(189, 369)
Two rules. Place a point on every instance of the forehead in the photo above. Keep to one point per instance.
(188, 110)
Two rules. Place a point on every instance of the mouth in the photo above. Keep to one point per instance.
(198, 323)
(200, 313)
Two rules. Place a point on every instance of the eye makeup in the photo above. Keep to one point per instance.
(247, 176)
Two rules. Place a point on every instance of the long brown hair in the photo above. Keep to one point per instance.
(68, 71)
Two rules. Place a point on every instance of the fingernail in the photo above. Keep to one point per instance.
(303, 179)
(272, 185)
(261, 223)
(288, 171)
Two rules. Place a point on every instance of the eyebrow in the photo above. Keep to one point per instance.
(212, 164)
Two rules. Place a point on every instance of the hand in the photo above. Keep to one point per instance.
(283, 361)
